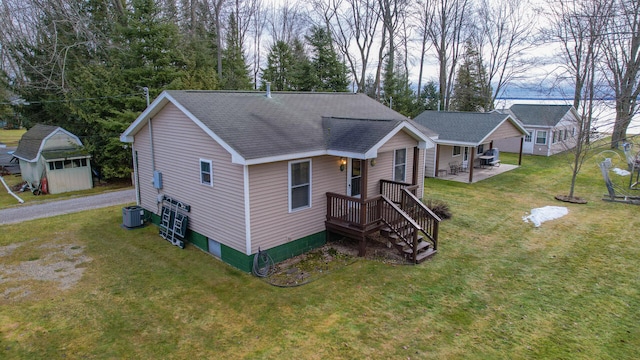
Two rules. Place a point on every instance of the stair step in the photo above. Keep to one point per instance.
(425, 255)
(421, 246)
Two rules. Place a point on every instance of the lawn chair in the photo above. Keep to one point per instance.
(454, 167)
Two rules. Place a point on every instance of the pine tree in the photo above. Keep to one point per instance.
(235, 72)
(280, 63)
(397, 89)
(471, 91)
(330, 74)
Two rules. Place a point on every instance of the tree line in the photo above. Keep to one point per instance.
(83, 64)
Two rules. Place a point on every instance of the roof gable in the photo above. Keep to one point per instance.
(539, 114)
(468, 128)
(255, 128)
(32, 142)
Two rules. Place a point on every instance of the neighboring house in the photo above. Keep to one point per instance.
(464, 136)
(276, 171)
(52, 153)
(551, 129)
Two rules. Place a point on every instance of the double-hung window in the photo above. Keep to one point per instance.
(541, 137)
(206, 172)
(400, 165)
(456, 150)
(299, 185)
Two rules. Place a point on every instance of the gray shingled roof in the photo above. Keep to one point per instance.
(29, 144)
(539, 115)
(256, 126)
(461, 127)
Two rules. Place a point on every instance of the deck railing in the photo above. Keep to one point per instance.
(355, 212)
(393, 189)
(419, 212)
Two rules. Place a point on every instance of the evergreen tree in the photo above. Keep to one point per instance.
(429, 97)
(471, 91)
(330, 74)
(235, 72)
(279, 70)
(303, 76)
(397, 89)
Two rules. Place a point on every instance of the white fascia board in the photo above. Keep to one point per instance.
(422, 139)
(285, 157)
(157, 105)
(457, 143)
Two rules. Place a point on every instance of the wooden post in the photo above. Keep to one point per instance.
(416, 156)
(521, 147)
(473, 155)
(437, 160)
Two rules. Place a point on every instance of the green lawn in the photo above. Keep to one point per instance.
(11, 137)
(499, 288)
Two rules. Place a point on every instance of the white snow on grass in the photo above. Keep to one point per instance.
(540, 215)
(621, 172)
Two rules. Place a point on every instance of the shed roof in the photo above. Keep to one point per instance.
(32, 141)
(255, 128)
(539, 114)
(470, 128)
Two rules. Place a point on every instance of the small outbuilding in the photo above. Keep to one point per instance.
(52, 153)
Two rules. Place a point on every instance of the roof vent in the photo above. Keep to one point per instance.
(268, 89)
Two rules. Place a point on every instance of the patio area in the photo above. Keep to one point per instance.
(479, 173)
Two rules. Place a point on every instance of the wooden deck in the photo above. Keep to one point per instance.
(410, 226)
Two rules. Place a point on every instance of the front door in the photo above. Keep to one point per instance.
(354, 177)
(527, 145)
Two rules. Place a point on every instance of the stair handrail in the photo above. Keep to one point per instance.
(416, 228)
(430, 229)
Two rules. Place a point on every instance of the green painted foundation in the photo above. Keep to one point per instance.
(244, 262)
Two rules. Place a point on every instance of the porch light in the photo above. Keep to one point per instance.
(373, 162)
(343, 163)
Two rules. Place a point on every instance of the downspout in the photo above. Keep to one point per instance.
(136, 177)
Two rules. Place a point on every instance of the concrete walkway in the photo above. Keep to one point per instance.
(67, 206)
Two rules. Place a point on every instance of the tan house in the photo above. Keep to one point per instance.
(52, 153)
(465, 140)
(278, 172)
(551, 129)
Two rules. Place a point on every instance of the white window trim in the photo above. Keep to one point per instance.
(405, 164)
(453, 151)
(310, 184)
(210, 172)
(546, 137)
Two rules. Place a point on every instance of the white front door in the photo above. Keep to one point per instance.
(527, 145)
(354, 177)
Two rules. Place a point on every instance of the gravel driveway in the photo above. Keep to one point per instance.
(67, 206)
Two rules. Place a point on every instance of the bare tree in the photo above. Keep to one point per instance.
(287, 21)
(503, 34)
(447, 33)
(424, 22)
(622, 50)
(352, 21)
(258, 23)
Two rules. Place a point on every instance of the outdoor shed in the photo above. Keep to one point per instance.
(53, 153)
(276, 172)
(463, 137)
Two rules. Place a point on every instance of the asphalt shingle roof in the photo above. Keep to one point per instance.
(257, 126)
(30, 142)
(539, 115)
(463, 127)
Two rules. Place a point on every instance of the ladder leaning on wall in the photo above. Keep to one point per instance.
(174, 220)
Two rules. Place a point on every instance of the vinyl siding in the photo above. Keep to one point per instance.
(505, 131)
(511, 145)
(271, 222)
(216, 212)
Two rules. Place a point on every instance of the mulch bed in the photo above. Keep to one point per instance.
(310, 266)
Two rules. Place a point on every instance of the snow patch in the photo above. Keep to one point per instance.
(540, 215)
(621, 172)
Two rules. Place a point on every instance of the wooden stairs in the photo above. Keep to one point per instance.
(424, 249)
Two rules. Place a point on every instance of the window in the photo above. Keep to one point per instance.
(541, 137)
(566, 134)
(400, 165)
(480, 149)
(206, 172)
(527, 138)
(456, 150)
(299, 185)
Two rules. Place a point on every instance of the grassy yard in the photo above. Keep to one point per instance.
(499, 288)
(11, 137)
